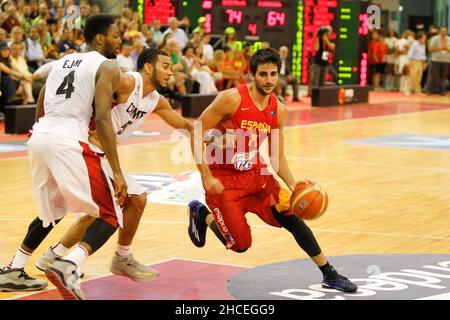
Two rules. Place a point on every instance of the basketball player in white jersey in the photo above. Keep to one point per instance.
(67, 175)
(136, 99)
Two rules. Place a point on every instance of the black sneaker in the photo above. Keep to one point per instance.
(197, 227)
(338, 282)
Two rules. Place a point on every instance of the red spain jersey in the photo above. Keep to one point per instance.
(251, 127)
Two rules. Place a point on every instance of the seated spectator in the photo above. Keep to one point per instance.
(18, 63)
(197, 69)
(16, 36)
(9, 87)
(196, 39)
(124, 60)
(67, 44)
(25, 19)
(2, 35)
(44, 14)
(138, 47)
(177, 33)
(180, 72)
(158, 36)
(33, 51)
(12, 17)
(208, 50)
(44, 37)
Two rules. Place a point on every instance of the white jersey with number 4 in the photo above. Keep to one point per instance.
(69, 95)
(129, 116)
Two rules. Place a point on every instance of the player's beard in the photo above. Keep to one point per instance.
(110, 53)
(261, 90)
(154, 79)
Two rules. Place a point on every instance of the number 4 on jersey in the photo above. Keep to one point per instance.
(66, 86)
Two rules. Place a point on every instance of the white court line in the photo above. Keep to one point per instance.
(99, 276)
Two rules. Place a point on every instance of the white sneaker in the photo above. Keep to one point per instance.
(47, 259)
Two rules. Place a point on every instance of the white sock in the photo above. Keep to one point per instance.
(19, 260)
(123, 250)
(59, 249)
(77, 255)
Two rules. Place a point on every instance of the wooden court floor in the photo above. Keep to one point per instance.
(383, 199)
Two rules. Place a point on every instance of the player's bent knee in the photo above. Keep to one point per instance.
(86, 219)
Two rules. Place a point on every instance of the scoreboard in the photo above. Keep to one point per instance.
(291, 23)
(254, 20)
(349, 21)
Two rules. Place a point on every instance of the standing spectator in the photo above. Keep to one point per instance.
(158, 36)
(432, 31)
(322, 48)
(33, 52)
(440, 57)
(11, 20)
(391, 42)
(177, 33)
(402, 61)
(18, 63)
(379, 55)
(124, 60)
(417, 61)
(286, 76)
(67, 43)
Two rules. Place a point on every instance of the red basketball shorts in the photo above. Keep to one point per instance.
(246, 192)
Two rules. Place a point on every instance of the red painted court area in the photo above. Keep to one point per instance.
(178, 280)
(300, 113)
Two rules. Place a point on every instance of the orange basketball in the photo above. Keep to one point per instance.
(309, 201)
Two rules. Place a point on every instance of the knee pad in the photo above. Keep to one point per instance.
(98, 233)
(37, 233)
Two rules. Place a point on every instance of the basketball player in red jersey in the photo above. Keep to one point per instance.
(236, 180)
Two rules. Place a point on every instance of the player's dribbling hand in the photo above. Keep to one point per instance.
(120, 189)
(212, 185)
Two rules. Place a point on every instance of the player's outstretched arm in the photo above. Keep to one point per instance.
(280, 163)
(107, 78)
(171, 117)
(222, 108)
(40, 104)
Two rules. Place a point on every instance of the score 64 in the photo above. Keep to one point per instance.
(276, 17)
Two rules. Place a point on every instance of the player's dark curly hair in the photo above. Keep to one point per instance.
(149, 56)
(97, 25)
(264, 56)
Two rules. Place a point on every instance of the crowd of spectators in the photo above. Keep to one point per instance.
(35, 33)
(414, 62)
